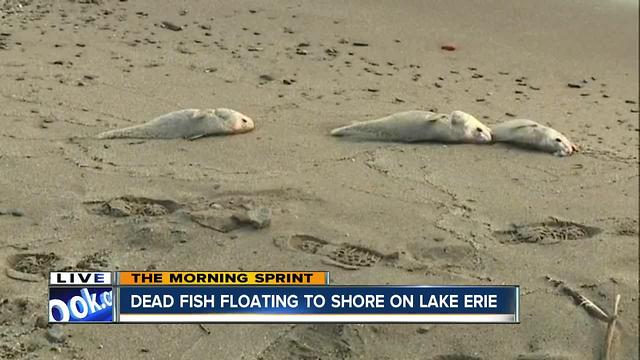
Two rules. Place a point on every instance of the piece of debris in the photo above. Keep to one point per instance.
(259, 218)
(204, 329)
(331, 51)
(448, 47)
(170, 26)
(613, 319)
(581, 300)
(266, 77)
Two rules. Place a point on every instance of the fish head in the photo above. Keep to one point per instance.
(559, 144)
(474, 131)
(236, 121)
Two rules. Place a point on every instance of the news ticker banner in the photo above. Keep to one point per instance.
(266, 297)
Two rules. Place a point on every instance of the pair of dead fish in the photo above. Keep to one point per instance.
(459, 127)
(408, 126)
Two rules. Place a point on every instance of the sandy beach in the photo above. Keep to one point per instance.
(423, 213)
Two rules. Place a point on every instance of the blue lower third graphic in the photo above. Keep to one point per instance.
(89, 304)
(357, 304)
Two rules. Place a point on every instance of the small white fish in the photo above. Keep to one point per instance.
(189, 124)
(528, 133)
(414, 126)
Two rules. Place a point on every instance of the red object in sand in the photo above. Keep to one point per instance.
(448, 47)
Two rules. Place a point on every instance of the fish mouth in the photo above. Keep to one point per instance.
(570, 149)
(243, 125)
(565, 151)
(484, 138)
(244, 130)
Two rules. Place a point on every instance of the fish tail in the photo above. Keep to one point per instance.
(337, 132)
(117, 133)
(343, 131)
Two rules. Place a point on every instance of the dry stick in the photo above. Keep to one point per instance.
(593, 309)
(611, 329)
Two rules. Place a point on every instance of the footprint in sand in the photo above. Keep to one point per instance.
(98, 261)
(342, 255)
(545, 233)
(351, 257)
(30, 267)
(132, 205)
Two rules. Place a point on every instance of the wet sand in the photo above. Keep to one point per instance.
(410, 213)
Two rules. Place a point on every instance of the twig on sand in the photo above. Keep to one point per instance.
(611, 330)
(204, 329)
(593, 309)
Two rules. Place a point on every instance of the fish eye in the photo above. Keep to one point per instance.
(558, 140)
